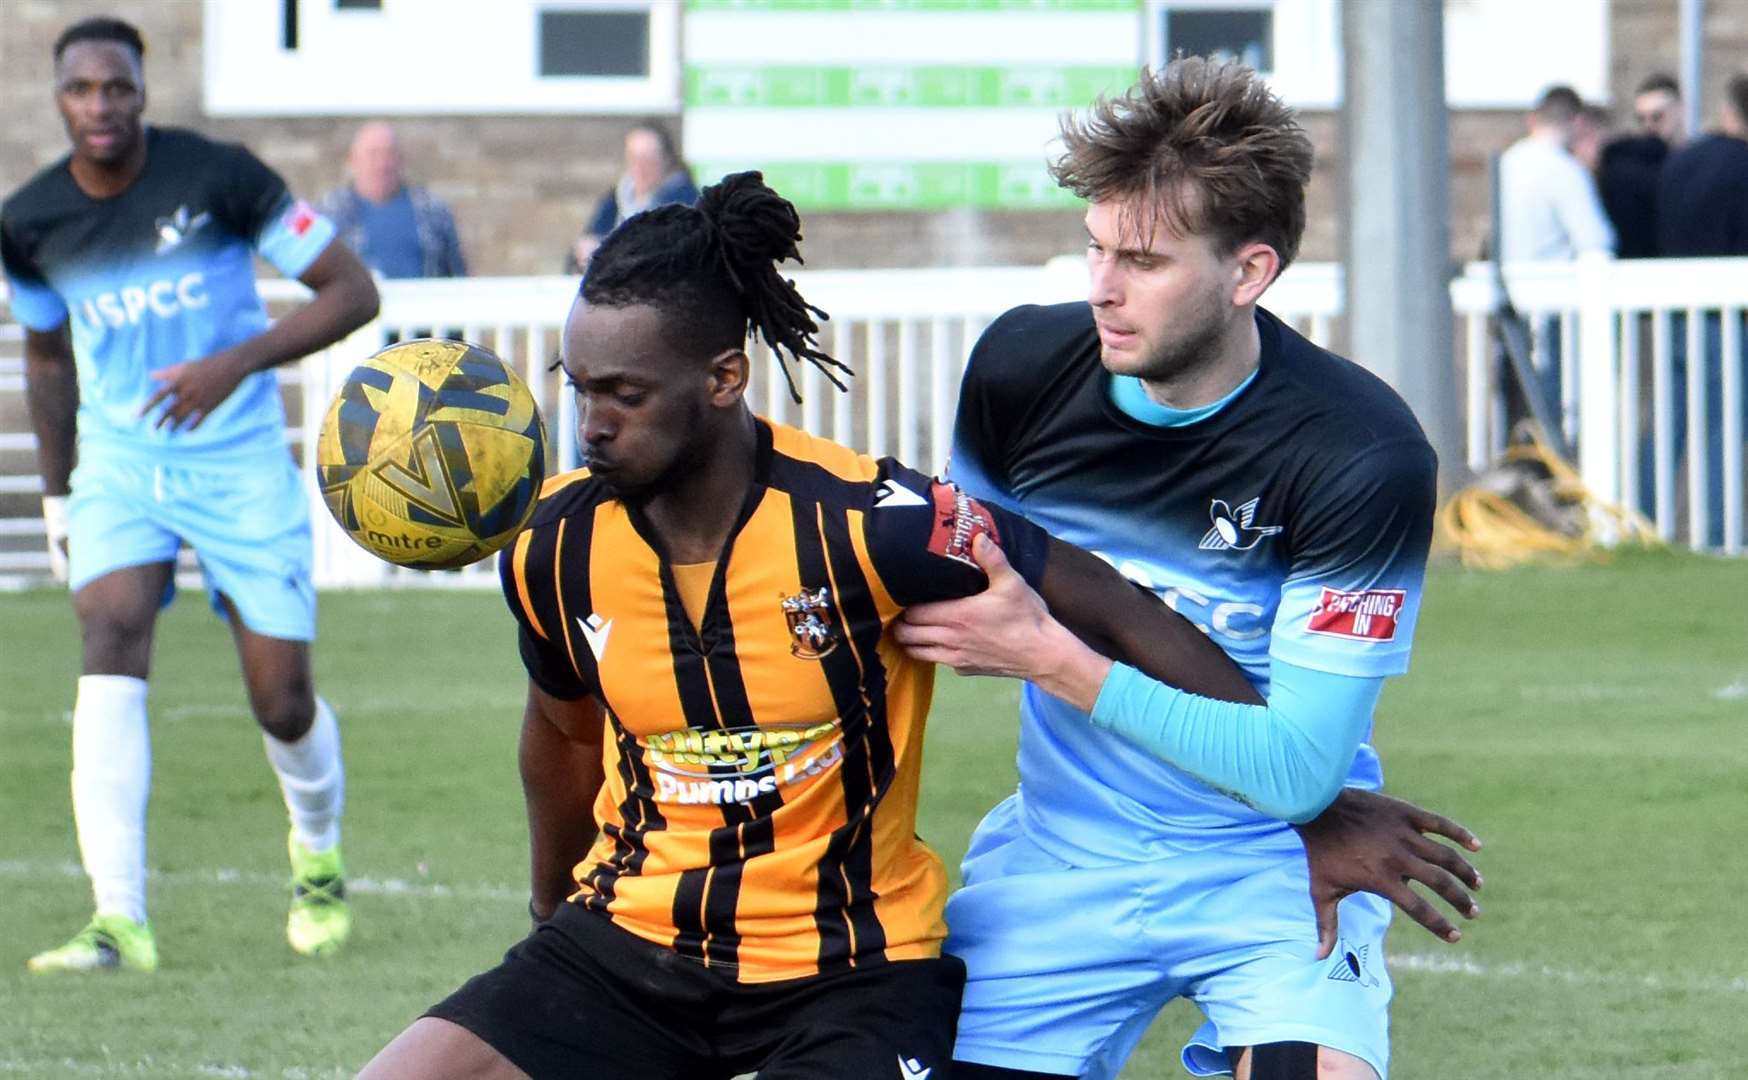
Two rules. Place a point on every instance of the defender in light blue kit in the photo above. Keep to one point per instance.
(1276, 495)
(130, 263)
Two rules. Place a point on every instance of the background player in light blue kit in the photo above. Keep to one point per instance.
(1275, 494)
(131, 268)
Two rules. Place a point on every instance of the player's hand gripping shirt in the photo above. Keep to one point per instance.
(157, 275)
(1292, 524)
(759, 809)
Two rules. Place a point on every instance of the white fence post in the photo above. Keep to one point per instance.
(1599, 453)
(339, 562)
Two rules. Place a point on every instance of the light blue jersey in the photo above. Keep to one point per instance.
(1289, 525)
(160, 274)
(1290, 522)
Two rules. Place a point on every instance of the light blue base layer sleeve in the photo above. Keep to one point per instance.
(1287, 758)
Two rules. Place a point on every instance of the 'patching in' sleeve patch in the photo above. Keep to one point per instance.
(300, 219)
(1367, 615)
(958, 520)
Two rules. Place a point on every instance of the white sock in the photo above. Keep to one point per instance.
(312, 779)
(112, 774)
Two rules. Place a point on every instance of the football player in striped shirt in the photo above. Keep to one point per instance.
(722, 742)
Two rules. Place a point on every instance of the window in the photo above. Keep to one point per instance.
(594, 43)
(1305, 71)
(424, 57)
(1242, 34)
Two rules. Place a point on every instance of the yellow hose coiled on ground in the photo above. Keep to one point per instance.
(1534, 507)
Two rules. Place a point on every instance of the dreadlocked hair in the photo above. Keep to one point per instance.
(713, 269)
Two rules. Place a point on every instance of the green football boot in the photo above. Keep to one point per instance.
(320, 919)
(108, 943)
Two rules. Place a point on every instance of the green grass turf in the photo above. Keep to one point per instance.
(1590, 724)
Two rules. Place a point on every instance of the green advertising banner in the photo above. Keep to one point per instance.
(923, 86)
(924, 185)
(961, 108)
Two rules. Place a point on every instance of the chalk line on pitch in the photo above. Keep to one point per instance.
(1413, 963)
(366, 886)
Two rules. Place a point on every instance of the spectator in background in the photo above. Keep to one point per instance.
(1549, 210)
(1626, 175)
(1626, 181)
(1702, 196)
(1657, 108)
(400, 230)
(1702, 211)
(654, 176)
(1549, 207)
(1590, 130)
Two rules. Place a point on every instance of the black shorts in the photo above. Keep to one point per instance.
(579, 997)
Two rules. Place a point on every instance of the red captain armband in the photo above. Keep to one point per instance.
(959, 520)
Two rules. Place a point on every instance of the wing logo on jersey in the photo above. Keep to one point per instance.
(813, 632)
(1233, 529)
(176, 228)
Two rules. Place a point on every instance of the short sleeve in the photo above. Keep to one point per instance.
(976, 462)
(34, 302)
(920, 530)
(288, 232)
(546, 661)
(1352, 593)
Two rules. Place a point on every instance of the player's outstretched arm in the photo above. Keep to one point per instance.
(1365, 841)
(1063, 637)
(345, 299)
(562, 772)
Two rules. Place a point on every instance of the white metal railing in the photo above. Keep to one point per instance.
(1648, 362)
(1607, 327)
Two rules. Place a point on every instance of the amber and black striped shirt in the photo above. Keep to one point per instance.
(762, 764)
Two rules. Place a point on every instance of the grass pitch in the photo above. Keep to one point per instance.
(1591, 725)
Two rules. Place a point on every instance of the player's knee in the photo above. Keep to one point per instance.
(286, 715)
(116, 638)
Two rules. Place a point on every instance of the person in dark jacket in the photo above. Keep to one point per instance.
(1702, 211)
(654, 176)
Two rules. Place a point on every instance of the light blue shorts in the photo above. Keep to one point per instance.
(1068, 965)
(249, 525)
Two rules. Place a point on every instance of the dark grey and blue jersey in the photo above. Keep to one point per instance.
(1291, 525)
(159, 274)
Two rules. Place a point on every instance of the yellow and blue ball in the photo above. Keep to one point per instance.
(432, 454)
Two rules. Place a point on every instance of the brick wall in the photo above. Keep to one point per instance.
(521, 186)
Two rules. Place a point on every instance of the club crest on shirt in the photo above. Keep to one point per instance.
(1233, 529)
(813, 631)
(177, 227)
